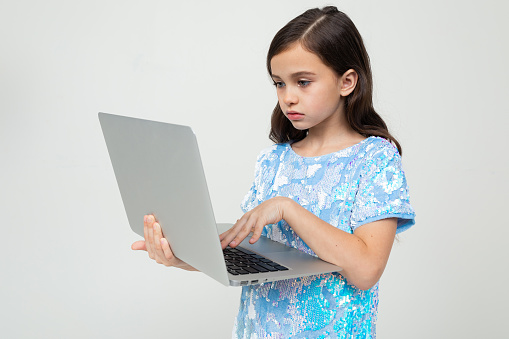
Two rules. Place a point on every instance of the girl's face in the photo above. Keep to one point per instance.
(308, 91)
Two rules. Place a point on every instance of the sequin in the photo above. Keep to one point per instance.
(349, 188)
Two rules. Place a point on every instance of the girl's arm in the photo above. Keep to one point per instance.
(363, 255)
(157, 246)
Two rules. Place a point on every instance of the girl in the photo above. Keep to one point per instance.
(331, 186)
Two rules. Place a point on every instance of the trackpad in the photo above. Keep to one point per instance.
(265, 245)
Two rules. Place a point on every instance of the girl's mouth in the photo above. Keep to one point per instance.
(294, 115)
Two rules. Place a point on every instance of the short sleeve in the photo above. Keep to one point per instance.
(266, 164)
(248, 203)
(383, 190)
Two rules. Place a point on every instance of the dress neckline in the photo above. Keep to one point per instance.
(342, 152)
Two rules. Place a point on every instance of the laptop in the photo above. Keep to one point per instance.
(159, 171)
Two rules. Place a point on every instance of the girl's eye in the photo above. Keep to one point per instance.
(303, 83)
(279, 84)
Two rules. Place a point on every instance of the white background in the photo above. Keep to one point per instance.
(66, 268)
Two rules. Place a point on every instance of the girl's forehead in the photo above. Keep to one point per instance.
(296, 59)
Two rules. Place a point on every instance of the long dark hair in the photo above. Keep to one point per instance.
(332, 36)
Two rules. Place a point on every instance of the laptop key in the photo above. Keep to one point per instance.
(243, 250)
(250, 269)
(268, 267)
(259, 268)
(242, 261)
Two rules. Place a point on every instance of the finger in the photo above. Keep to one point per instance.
(222, 240)
(150, 236)
(145, 233)
(223, 235)
(168, 254)
(139, 245)
(257, 232)
(158, 251)
(244, 231)
(231, 233)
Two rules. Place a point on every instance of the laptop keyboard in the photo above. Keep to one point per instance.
(241, 261)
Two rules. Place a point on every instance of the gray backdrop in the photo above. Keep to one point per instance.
(67, 270)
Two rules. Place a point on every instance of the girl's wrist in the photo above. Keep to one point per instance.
(287, 205)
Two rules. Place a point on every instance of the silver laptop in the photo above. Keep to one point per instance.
(159, 171)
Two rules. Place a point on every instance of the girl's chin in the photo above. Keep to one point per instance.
(299, 126)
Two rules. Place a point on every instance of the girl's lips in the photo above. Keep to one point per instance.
(294, 115)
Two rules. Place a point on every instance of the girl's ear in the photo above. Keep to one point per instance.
(348, 82)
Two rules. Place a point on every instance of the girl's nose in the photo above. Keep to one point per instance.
(290, 98)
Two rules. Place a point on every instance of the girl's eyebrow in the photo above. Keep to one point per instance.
(296, 74)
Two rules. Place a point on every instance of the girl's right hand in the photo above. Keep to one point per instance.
(157, 246)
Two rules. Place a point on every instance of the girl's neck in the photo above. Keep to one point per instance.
(321, 141)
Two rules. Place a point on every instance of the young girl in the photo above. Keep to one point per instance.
(331, 186)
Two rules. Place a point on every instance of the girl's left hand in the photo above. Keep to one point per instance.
(268, 212)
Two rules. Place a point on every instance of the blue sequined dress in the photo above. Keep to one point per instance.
(348, 188)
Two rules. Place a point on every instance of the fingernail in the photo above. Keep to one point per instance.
(145, 219)
(233, 243)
